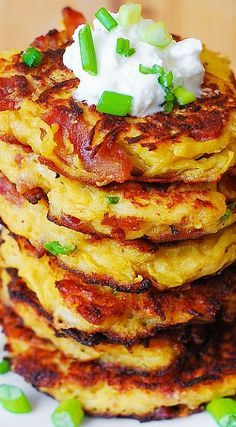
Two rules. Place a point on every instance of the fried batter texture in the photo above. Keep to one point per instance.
(194, 144)
(158, 212)
(93, 313)
(110, 390)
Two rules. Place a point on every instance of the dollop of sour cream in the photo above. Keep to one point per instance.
(117, 73)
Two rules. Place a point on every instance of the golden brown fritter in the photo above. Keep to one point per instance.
(206, 372)
(92, 314)
(125, 265)
(157, 354)
(159, 212)
(192, 144)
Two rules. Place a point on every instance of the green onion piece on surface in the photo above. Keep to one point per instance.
(68, 414)
(32, 57)
(223, 410)
(56, 248)
(87, 50)
(123, 47)
(166, 79)
(14, 400)
(157, 35)
(4, 367)
(226, 215)
(168, 107)
(130, 52)
(129, 14)
(183, 95)
(114, 103)
(106, 19)
(169, 96)
(155, 69)
(112, 200)
(229, 212)
(120, 46)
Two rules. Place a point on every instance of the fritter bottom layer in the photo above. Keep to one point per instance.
(107, 390)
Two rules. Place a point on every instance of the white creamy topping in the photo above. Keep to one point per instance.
(117, 73)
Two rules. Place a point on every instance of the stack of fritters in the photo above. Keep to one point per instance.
(137, 317)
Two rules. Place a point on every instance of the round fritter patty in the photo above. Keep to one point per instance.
(163, 351)
(158, 354)
(93, 314)
(159, 212)
(193, 143)
(124, 265)
(110, 390)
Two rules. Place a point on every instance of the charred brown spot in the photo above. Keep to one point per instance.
(34, 195)
(12, 91)
(56, 88)
(124, 225)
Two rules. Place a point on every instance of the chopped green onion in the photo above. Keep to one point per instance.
(32, 57)
(131, 51)
(166, 79)
(114, 103)
(168, 107)
(4, 367)
(112, 200)
(123, 47)
(169, 96)
(106, 19)
(68, 414)
(155, 69)
(87, 50)
(183, 95)
(14, 400)
(226, 215)
(157, 35)
(223, 410)
(56, 248)
(129, 14)
(120, 45)
(229, 212)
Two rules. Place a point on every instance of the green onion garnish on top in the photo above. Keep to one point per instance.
(106, 19)
(114, 103)
(123, 47)
(129, 14)
(56, 248)
(112, 200)
(68, 414)
(4, 367)
(32, 57)
(13, 399)
(155, 69)
(87, 50)
(157, 35)
(223, 410)
(184, 96)
(166, 79)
